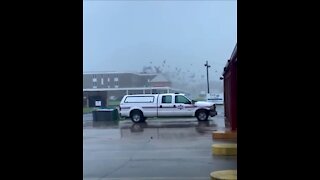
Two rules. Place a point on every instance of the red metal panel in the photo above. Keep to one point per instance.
(226, 81)
(233, 113)
(230, 91)
(230, 95)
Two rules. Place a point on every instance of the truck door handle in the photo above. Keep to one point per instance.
(160, 106)
(174, 106)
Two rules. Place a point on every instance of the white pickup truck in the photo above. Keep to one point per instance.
(141, 106)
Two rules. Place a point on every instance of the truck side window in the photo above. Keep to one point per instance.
(166, 99)
(182, 99)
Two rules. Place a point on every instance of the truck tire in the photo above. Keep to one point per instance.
(136, 116)
(202, 115)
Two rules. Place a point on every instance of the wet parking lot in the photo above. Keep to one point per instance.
(157, 149)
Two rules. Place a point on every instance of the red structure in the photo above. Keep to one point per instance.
(230, 91)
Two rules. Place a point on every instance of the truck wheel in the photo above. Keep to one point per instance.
(137, 116)
(202, 115)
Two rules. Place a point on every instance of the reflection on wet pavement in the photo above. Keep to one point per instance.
(156, 129)
(166, 130)
(166, 148)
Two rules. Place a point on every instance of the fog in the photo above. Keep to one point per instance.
(175, 38)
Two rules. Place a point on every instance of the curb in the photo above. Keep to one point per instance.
(224, 149)
(224, 135)
(224, 175)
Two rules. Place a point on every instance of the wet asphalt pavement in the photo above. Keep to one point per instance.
(156, 150)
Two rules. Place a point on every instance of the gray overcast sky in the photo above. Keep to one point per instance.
(127, 35)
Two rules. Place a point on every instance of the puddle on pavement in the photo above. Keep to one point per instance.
(156, 129)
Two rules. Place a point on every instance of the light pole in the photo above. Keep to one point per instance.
(207, 65)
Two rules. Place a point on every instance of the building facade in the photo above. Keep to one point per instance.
(116, 80)
(108, 87)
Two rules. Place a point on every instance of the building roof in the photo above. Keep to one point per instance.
(139, 88)
(159, 78)
(114, 72)
(232, 59)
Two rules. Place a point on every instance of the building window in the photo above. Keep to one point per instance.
(101, 81)
(116, 86)
(108, 79)
(94, 79)
(94, 87)
(116, 79)
(148, 80)
(108, 86)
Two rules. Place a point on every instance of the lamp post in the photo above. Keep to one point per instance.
(207, 66)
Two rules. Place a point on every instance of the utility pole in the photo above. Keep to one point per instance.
(207, 65)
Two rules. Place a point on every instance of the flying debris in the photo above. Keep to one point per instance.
(157, 69)
(192, 76)
(146, 69)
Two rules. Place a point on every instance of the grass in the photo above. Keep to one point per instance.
(87, 110)
(113, 103)
(199, 99)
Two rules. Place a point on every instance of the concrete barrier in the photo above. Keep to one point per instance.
(224, 135)
(224, 149)
(224, 175)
